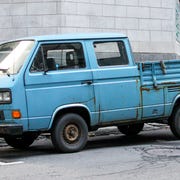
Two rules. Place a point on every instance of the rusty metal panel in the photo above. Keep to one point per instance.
(163, 73)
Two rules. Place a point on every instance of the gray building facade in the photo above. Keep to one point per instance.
(151, 25)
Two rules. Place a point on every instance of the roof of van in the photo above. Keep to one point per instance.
(77, 36)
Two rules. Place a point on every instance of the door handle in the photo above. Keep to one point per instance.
(88, 82)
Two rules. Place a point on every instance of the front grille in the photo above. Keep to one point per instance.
(2, 115)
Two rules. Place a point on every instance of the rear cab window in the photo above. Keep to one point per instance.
(110, 53)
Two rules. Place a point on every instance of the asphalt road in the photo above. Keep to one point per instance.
(109, 155)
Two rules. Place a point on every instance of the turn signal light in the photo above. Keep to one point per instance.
(16, 114)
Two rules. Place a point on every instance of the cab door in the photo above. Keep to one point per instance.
(58, 76)
(116, 81)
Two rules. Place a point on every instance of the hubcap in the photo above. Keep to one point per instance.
(71, 133)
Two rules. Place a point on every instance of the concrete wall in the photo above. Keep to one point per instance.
(150, 24)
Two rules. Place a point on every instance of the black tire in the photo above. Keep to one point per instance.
(132, 129)
(21, 142)
(175, 122)
(70, 133)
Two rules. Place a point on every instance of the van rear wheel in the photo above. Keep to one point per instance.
(132, 129)
(70, 133)
(175, 122)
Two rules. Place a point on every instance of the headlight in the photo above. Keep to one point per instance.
(5, 97)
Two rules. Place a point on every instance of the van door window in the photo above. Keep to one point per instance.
(110, 53)
(59, 57)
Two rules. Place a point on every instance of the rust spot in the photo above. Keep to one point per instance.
(99, 115)
(137, 83)
(94, 100)
(163, 67)
(148, 89)
(156, 88)
(166, 83)
(145, 89)
(143, 66)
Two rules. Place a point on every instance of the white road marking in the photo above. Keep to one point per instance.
(10, 163)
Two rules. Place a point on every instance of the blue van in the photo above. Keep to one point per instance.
(67, 85)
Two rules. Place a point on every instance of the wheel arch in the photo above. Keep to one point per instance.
(79, 109)
(175, 103)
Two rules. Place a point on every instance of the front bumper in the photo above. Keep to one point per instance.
(10, 129)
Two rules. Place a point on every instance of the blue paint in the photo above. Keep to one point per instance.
(109, 94)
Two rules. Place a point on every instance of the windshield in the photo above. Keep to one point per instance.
(13, 55)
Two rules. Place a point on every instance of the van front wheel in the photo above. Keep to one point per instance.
(21, 142)
(69, 133)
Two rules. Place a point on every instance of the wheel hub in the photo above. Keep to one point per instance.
(71, 133)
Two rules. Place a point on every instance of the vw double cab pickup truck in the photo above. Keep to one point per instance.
(68, 85)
